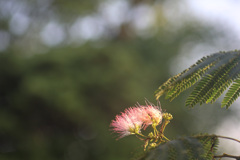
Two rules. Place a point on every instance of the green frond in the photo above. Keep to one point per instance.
(213, 75)
(205, 88)
(218, 91)
(200, 64)
(187, 74)
(202, 147)
(219, 80)
(198, 91)
(234, 73)
(186, 83)
(193, 73)
(231, 76)
(165, 87)
(232, 94)
(210, 145)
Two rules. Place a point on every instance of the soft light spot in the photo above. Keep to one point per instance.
(87, 28)
(52, 34)
(19, 24)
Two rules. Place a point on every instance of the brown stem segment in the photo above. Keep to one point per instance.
(227, 156)
(228, 138)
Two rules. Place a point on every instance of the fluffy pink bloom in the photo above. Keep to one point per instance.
(133, 119)
(135, 114)
(126, 125)
(153, 115)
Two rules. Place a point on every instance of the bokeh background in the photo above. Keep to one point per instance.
(67, 67)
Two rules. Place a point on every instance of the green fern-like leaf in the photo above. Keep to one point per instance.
(232, 94)
(218, 91)
(186, 83)
(198, 91)
(215, 74)
(192, 73)
(201, 147)
(205, 88)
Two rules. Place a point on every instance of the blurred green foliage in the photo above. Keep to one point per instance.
(57, 102)
(68, 97)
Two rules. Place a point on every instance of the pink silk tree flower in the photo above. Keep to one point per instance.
(155, 115)
(125, 125)
(135, 114)
(133, 119)
(150, 115)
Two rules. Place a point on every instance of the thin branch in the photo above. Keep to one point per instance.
(228, 138)
(227, 156)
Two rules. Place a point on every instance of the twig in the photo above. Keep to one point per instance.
(229, 138)
(228, 156)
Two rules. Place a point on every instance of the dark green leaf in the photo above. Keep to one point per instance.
(201, 147)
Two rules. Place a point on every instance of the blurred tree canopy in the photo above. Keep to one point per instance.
(60, 88)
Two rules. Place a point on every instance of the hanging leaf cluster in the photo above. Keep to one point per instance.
(213, 74)
(201, 147)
